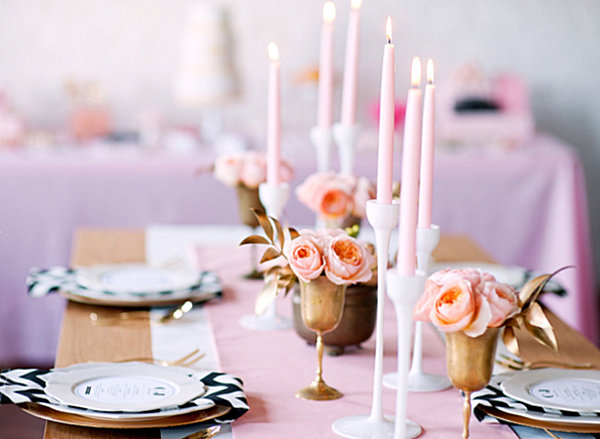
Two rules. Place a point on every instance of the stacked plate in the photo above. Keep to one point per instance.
(126, 395)
(142, 285)
(558, 399)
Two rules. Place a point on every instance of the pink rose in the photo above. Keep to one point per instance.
(286, 172)
(503, 301)
(254, 169)
(363, 192)
(227, 169)
(346, 261)
(454, 306)
(305, 257)
(327, 194)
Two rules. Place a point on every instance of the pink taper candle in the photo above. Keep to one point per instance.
(350, 86)
(427, 146)
(409, 192)
(325, 104)
(273, 117)
(386, 121)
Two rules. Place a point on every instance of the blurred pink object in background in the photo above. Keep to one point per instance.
(12, 127)
(475, 108)
(399, 113)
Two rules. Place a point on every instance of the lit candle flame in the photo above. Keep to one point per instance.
(415, 77)
(273, 51)
(328, 12)
(430, 74)
(355, 4)
(388, 30)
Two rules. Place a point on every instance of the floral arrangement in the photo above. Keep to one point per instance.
(248, 168)
(471, 301)
(335, 196)
(308, 254)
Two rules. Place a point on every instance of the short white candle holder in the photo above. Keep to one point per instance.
(418, 380)
(383, 217)
(404, 290)
(274, 199)
(346, 137)
(322, 140)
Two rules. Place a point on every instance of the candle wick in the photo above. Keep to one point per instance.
(430, 82)
(389, 40)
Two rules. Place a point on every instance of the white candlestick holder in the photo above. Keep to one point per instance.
(383, 217)
(404, 290)
(274, 199)
(322, 140)
(418, 380)
(346, 137)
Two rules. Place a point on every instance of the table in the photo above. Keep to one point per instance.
(275, 364)
(527, 207)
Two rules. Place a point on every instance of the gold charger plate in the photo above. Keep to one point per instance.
(202, 297)
(550, 425)
(50, 414)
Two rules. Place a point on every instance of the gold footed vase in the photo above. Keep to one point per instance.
(469, 361)
(322, 305)
(249, 199)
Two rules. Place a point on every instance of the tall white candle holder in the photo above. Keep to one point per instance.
(274, 199)
(383, 217)
(322, 140)
(346, 137)
(404, 290)
(418, 380)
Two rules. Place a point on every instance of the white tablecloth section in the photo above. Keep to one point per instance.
(526, 207)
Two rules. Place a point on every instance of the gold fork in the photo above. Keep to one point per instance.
(516, 364)
(185, 361)
(173, 314)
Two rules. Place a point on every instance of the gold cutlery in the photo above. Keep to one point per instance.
(205, 434)
(185, 361)
(552, 435)
(516, 364)
(173, 314)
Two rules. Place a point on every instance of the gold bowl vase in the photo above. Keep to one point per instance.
(322, 305)
(469, 361)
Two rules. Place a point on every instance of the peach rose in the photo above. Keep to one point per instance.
(254, 169)
(227, 169)
(363, 192)
(327, 194)
(503, 301)
(454, 306)
(305, 257)
(346, 261)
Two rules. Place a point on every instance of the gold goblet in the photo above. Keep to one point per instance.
(322, 305)
(469, 361)
(248, 199)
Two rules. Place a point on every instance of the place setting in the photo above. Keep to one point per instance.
(125, 395)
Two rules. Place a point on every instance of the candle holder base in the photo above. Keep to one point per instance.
(274, 197)
(369, 427)
(263, 322)
(422, 382)
(346, 138)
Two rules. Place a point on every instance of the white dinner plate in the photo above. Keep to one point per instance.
(561, 389)
(136, 278)
(123, 387)
(589, 419)
(511, 275)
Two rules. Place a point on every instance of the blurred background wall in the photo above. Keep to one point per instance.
(131, 48)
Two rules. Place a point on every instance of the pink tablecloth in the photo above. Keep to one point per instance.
(527, 207)
(274, 365)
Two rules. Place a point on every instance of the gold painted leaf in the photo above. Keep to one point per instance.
(264, 222)
(255, 239)
(510, 340)
(269, 255)
(293, 233)
(535, 316)
(280, 235)
(544, 336)
(532, 289)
